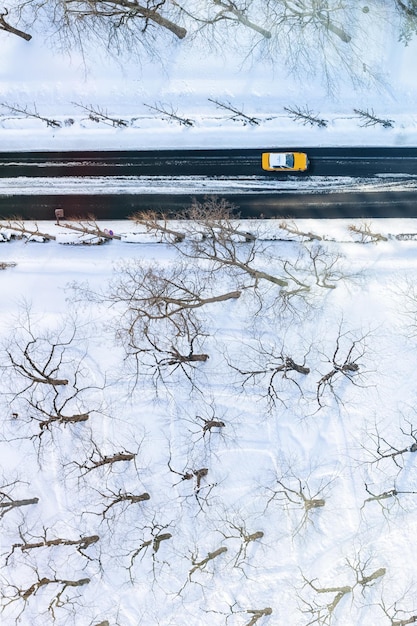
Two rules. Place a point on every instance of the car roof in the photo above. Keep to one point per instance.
(277, 159)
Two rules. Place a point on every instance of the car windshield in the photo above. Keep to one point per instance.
(289, 160)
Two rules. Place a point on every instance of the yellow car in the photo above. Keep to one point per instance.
(284, 161)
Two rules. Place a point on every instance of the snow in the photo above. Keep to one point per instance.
(326, 441)
(96, 185)
(183, 82)
(342, 130)
(310, 486)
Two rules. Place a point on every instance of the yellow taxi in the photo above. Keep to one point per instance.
(284, 161)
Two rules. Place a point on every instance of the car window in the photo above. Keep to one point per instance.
(289, 160)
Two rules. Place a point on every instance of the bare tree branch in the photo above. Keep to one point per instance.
(8, 28)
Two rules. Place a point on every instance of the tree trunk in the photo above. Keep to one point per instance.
(11, 29)
(336, 30)
(153, 16)
(240, 16)
(178, 31)
(14, 503)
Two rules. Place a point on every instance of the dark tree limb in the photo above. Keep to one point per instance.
(12, 29)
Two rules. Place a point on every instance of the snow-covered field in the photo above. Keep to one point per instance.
(272, 482)
(186, 79)
(215, 431)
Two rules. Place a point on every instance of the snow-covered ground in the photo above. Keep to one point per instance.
(272, 479)
(97, 185)
(261, 491)
(34, 74)
(343, 129)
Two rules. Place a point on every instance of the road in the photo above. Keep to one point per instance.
(341, 182)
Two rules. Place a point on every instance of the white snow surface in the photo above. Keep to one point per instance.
(96, 185)
(307, 511)
(310, 486)
(36, 75)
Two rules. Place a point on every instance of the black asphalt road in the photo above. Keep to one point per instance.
(289, 206)
(323, 162)
(355, 162)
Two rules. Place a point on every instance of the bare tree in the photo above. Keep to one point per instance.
(406, 292)
(49, 381)
(154, 293)
(52, 405)
(368, 118)
(4, 265)
(386, 499)
(8, 502)
(8, 28)
(161, 354)
(407, 11)
(131, 25)
(319, 13)
(229, 10)
(98, 115)
(305, 116)
(237, 114)
(22, 594)
(35, 358)
(82, 18)
(56, 415)
(196, 475)
(316, 266)
(322, 611)
(156, 320)
(344, 363)
(382, 448)
(298, 497)
(216, 215)
(257, 615)
(30, 230)
(99, 459)
(226, 248)
(89, 231)
(200, 565)
(29, 542)
(365, 233)
(338, 30)
(397, 616)
(119, 497)
(170, 114)
(154, 538)
(408, 7)
(221, 243)
(157, 223)
(201, 489)
(237, 530)
(294, 229)
(31, 112)
(264, 364)
(308, 35)
(209, 424)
